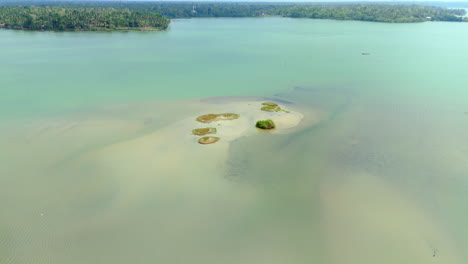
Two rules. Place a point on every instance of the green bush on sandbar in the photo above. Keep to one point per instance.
(265, 124)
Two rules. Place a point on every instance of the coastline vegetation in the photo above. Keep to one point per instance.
(80, 19)
(376, 12)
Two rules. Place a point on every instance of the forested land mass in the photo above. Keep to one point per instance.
(80, 18)
(365, 12)
(111, 15)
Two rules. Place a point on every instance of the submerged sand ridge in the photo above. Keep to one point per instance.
(182, 138)
(150, 177)
(153, 159)
(163, 188)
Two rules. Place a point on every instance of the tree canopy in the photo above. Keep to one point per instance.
(79, 18)
(110, 15)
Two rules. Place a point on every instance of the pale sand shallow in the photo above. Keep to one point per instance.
(167, 166)
(177, 135)
(77, 137)
(172, 150)
(390, 224)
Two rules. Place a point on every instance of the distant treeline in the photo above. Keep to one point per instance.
(79, 18)
(72, 15)
(365, 12)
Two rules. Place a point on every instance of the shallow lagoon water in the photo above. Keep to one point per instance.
(89, 174)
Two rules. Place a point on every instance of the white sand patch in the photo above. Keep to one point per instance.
(250, 113)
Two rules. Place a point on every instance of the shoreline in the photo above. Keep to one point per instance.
(90, 30)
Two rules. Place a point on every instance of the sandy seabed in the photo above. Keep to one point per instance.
(174, 147)
(133, 175)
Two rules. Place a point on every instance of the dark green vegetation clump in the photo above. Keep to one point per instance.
(265, 124)
(272, 107)
(208, 140)
(217, 117)
(80, 19)
(391, 13)
(204, 131)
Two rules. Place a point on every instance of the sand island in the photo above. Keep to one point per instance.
(242, 118)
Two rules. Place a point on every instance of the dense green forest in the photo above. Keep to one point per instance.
(110, 15)
(378, 13)
(80, 18)
(393, 13)
(365, 12)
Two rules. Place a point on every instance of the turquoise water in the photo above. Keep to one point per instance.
(382, 178)
(45, 72)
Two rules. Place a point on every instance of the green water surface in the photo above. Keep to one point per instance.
(383, 178)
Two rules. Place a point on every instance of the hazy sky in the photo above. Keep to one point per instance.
(311, 1)
(308, 1)
(253, 1)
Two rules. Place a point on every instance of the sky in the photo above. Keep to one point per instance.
(446, 2)
(308, 1)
